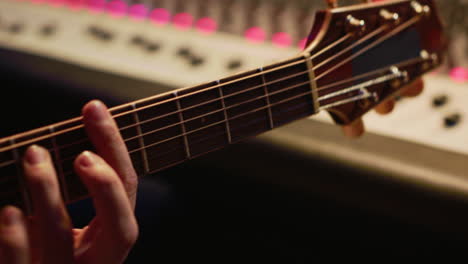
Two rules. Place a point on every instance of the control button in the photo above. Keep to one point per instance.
(137, 40)
(100, 33)
(234, 64)
(440, 100)
(152, 47)
(196, 61)
(184, 52)
(452, 120)
(106, 36)
(15, 28)
(48, 30)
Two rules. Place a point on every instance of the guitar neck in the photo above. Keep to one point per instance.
(168, 129)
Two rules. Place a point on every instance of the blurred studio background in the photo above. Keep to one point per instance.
(300, 193)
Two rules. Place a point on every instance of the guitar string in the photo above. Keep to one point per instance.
(115, 116)
(209, 88)
(403, 26)
(376, 72)
(409, 62)
(374, 33)
(191, 119)
(349, 48)
(211, 135)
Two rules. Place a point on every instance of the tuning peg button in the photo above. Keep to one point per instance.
(355, 25)
(452, 120)
(388, 16)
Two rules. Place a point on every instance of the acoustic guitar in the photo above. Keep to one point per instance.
(355, 58)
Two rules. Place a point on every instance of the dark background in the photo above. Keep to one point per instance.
(217, 209)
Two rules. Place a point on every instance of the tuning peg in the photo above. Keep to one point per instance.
(332, 3)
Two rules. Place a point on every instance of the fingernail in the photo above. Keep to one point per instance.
(97, 111)
(86, 159)
(35, 155)
(9, 216)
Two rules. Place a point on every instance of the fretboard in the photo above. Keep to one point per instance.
(171, 128)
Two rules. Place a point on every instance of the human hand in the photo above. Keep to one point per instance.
(47, 237)
(357, 128)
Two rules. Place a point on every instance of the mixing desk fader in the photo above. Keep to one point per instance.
(174, 44)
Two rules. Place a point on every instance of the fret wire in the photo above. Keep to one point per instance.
(182, 125)
(223, 103)
(141, 141)
(218, 99)
(213, 124)
(22, 181)
(283, 101)
(61, 177)
(238, 116)
(376, 72)
(217, 111)
(398, 29)
(230, 119)
(267, 98)
(319, 89)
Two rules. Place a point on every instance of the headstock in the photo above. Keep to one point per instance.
(366, 53)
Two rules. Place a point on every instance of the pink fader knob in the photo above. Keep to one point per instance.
(459, 74)
(138, 11)
(117, 8)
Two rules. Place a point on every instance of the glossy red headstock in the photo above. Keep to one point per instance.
(364, 54)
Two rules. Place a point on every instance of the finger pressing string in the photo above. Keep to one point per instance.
(50, 216)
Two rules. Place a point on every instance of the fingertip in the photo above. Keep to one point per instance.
(86, 159)
(87, 166)
(35, 155)
(95, 110)
(94, 171)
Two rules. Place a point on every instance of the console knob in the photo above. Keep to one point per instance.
(137, 40)
(15, 28)
(196, 61)
(452, 120)
(234, 64)
(152, 47)
(100, 33)
(184, 52)
(440, 100)
(48, 30)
